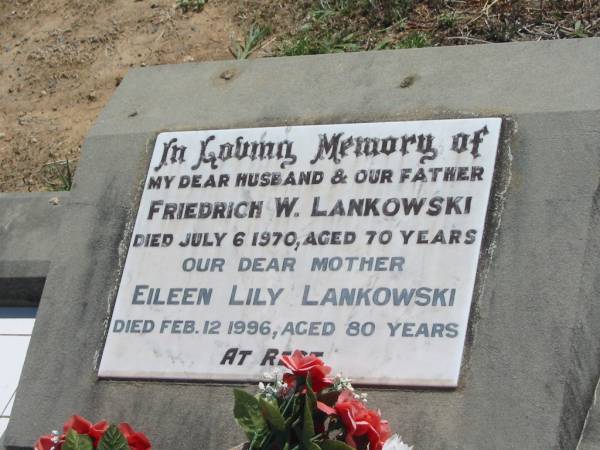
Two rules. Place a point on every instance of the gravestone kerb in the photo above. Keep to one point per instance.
(547, 204)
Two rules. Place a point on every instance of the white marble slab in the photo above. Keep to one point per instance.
(8, 407)
(377, 274)
(13, 350)
(3, 425)
(17, 320)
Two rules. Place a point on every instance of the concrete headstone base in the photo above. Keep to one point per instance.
(532, 356)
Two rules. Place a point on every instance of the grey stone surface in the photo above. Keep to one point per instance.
(28, 233)
(496, 79)
(532, 357)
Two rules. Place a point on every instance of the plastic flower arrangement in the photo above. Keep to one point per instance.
(308, 410)
(80, 434)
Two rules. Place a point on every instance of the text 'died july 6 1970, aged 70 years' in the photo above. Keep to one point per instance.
(357, 242)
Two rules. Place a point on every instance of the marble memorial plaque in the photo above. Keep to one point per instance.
(358, 242)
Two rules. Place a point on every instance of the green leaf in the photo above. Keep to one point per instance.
(113, 439)
(308, 428)
(76, 441)
(246, 411)
(310, 395)
(334, 445)
(272, 414)
(259, 440)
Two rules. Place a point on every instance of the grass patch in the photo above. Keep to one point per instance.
(447, 20)
(331, 43)
(191, 5)
(250, 43)
(331, 26)
(414, 39)
(306, 27)
(58, 175)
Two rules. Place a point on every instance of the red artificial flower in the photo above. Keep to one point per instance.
(97, 431)
(300, 364)
(136, 440)
(77, 423)
(310, 365)
(83, 426)
(349, 409)
(358, 420)
(290, 381)
(46, 443)
(377, 430)
(326, 408)
(318, 378)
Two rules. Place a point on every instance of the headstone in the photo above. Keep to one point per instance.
(137, 324)
(335, 239)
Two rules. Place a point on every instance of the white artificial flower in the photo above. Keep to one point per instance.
(361, 397)
(395, 443)
(340, 383)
